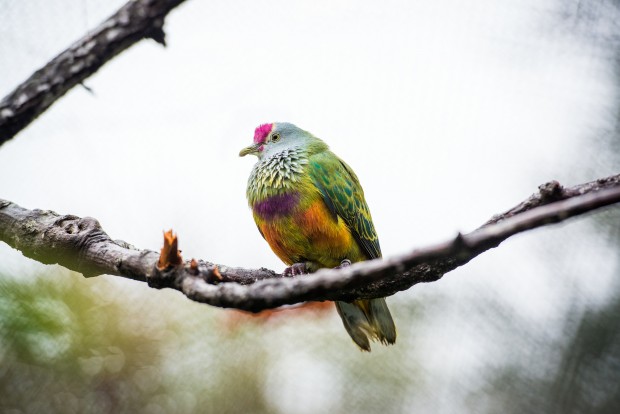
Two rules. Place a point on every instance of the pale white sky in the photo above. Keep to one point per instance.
(448, 111)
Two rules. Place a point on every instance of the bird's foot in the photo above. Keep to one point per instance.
(343, 264)
(295, 269)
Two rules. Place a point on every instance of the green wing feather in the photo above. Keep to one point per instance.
(344, 196)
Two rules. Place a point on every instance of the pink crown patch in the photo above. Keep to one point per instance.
(260, 133)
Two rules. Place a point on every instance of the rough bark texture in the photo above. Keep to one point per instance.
(81, 245)
(136, 20)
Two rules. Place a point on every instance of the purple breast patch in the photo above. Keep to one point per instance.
(277, 205)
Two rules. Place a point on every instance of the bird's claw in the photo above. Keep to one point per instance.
(344, 263)
(295, 269)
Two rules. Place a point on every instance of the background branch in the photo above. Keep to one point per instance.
(134, 21)
(80, 244)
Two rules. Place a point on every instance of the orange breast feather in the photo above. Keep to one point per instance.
(311, 234)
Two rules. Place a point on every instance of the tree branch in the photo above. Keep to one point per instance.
(80, 244)
(134, 21)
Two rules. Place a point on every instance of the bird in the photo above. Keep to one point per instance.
(309, 206)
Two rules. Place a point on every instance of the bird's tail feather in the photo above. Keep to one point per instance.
(367, 320)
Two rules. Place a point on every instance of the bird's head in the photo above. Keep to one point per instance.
(270, 139)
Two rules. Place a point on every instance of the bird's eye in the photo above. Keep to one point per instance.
(275, 138)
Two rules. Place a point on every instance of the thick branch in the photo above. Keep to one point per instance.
(81, 245)
(136, 20)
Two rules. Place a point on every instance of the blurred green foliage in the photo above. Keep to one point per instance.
(105, 345)
(70, 345)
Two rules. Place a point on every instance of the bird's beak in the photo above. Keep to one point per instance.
(252, 149)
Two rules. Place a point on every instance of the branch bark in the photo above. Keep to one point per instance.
(133, 22)
(80, 244)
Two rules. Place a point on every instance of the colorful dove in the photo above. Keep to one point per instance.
(309, 206)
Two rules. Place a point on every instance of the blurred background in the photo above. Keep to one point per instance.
(448, 111)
